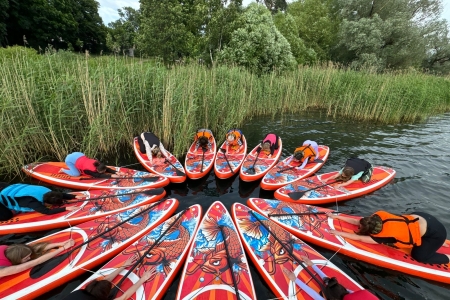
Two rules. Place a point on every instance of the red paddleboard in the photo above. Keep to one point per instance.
(194, 159)
(49, 172)
(329, 194)
(262, 165)
(216, 268)
(314, 228)
(115, 202)
(33, 282)
(160, 166)
(284, 173)
(273, 248)
(235, 158)
(163, 249)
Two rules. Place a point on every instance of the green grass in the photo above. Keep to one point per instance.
(58, 103)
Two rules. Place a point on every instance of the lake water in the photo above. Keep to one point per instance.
(420, 153)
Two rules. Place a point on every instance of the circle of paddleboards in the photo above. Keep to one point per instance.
(257, 164)
(168, 167)
(199, 162)
(163, 249)
(50, 172)
(273, 248)
(315, 190)
(216, 267)
(235, 160)
(96, 241)
(95, 203)
(312, 225)
(285, 172)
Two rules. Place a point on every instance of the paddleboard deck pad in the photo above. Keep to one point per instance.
(329, 194)
(314, 228)
(195, 157)
(216, 267)
(93, 246)
(273, 248)
(285, 172)
(235, 158)
(49, 172)
(164, 249)
(160, 166)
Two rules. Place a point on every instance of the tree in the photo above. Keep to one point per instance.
(285, 23)
(274, 5)
(122, 33)
(438, 48)
(317, 25)
(385, 33)
(4, 5)
(166, 29)
(258, 45)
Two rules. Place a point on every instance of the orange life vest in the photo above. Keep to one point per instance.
(203, 132)
(237, 135)
(308, 151)
(404, 228)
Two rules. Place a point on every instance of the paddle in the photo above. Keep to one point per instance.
(229, 165)
(309, 162)
(203, 158)
(298, 195)
(178, 172)
(289, 251)
(251, 170)
(50, 264)
(152, 192)
(311, 213)
(230, 266)
(150, 179)
(114, 291)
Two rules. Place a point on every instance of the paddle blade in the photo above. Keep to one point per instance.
(154, 192)
(179, 173)
(47, 266)
(296, 195)
(318, 160)
(251, 170)
(148, 179)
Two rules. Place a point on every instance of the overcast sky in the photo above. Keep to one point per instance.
(108, 8)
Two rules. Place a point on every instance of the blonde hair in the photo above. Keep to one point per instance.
(15, 253)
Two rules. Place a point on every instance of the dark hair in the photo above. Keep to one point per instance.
(370, 225)
(333, 289)
(99, 289)
(53, 198)
(346, 174)
(298, 155)
(101, 167)
(203, 141)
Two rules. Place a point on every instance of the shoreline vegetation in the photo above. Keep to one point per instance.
(57, 103)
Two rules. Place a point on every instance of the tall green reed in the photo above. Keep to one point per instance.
(58, 103)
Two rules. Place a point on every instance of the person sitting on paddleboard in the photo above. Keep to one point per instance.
(80, 164)
(269, 144)
(100, 288)
(19, 257)
(308, 152)
(203, 139)
(419, 232)
(234, 140)
(21, 197)
(150, 143)
(354, 169)
(333, 289)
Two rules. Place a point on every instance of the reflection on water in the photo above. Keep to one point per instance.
(420, 153)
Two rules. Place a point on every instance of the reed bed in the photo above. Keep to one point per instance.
(57, 103)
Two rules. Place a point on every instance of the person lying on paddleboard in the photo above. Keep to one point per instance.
(333, 289)
(150, 143)
(234, 141)
(308, 152)
(21, 197)
(354, 169)
(269, 144)
(419, 232)
(100, 288)
(203, 139)
(80, 164)
(19, 257)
